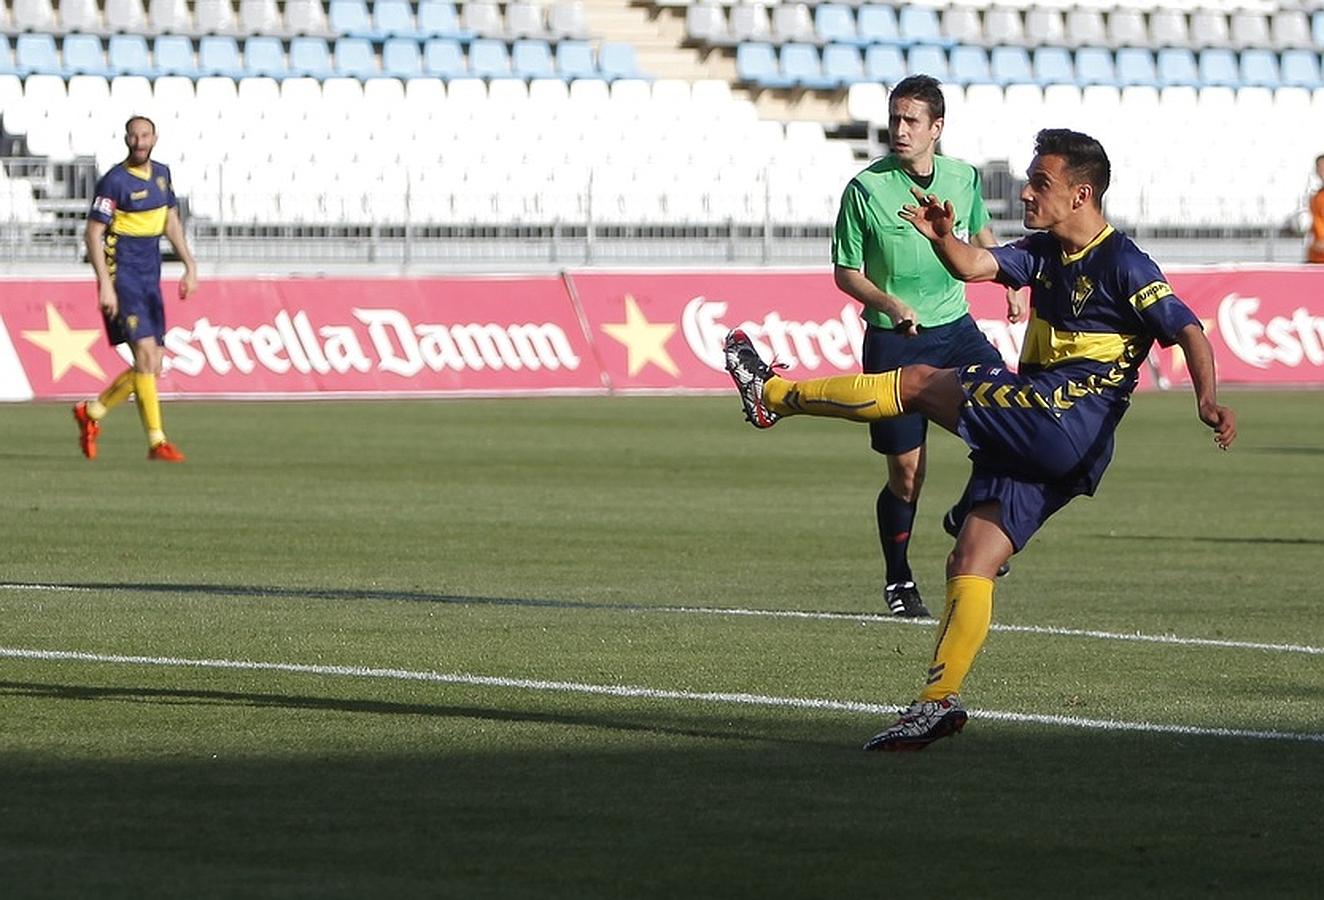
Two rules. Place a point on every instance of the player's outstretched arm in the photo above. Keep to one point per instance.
(1200, 363)
(1015, 298)
(936, 220)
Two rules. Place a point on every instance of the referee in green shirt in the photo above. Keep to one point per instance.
(914, 310)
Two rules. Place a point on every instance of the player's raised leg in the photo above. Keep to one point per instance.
(934, 393)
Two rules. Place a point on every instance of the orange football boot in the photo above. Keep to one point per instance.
(165, 452)
(89, 430)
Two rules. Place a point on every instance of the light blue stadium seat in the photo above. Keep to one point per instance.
(884, 63)
(574, 59)
(927, 59)
(1177, 67)
(1094, 65)
(756, 63)
(353, 56)
(393, 18)
(843, 64)
(128, 55)
(35, 54)
(969, 65)
(84, 55)
(1011, 65)
(835, 24)
(532, 58)
(350, 18)
(173, 54)
(488, 58)
(920, 25)
(800, 63)
(1135, 67)
(1218, 67)
(310, 56)
(1259, 68)
(219, 55)
(616, 60)
(1300, 68)
(1052, 65)
(438, 18)
(444, 58)
(877, 24)
(1317, 29)
(264, 55)
(401, 58)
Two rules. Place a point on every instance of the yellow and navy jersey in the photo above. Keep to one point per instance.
(133, 203)
(1095, 313)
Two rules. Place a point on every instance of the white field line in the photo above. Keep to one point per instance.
(1023, 629)
(875, 618)
(634, 691)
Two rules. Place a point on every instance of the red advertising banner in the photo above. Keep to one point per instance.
(663, 331)
(285, 337)
(591, 332)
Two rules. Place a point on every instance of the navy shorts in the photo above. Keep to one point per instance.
(141, 312)
(1022, 449)
(949, 346)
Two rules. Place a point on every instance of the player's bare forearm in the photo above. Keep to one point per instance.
(1200, 365)
(92, 237)
(965, 261)
(936, 220)
(174, 232)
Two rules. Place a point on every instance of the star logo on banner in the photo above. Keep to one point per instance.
(644, 341)
(69, 347)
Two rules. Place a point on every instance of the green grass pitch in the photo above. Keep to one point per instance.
(454, 587)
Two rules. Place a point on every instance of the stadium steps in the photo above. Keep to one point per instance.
(657, 34)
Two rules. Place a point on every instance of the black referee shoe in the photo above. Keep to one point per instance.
(903, 600)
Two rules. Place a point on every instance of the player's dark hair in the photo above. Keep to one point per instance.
(1086, 160)
(132, 119)
(926, 89)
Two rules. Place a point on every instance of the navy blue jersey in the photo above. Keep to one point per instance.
(134, 203)
(1096, 313)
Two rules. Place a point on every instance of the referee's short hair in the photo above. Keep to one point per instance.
(924, 88)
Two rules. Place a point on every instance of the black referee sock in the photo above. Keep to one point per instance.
(895, 519)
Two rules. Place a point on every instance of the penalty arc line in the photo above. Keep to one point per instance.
(637, 691)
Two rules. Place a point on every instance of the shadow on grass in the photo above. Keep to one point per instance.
(88, 693)
(277, 805)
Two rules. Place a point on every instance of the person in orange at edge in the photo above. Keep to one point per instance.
(134, 205)
(1315, 249)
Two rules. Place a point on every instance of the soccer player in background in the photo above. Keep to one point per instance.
(134, 205)
(1037, 437)
(914, 310)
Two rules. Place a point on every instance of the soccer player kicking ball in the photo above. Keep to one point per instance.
(1038, 437)
(134, 205)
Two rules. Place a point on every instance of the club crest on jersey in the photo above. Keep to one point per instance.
(1081, 292)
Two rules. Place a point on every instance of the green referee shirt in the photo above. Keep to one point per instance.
(870, 236)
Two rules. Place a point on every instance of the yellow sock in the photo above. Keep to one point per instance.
(860, 398)
(961, 633)
(116, 393)
(149, 407)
